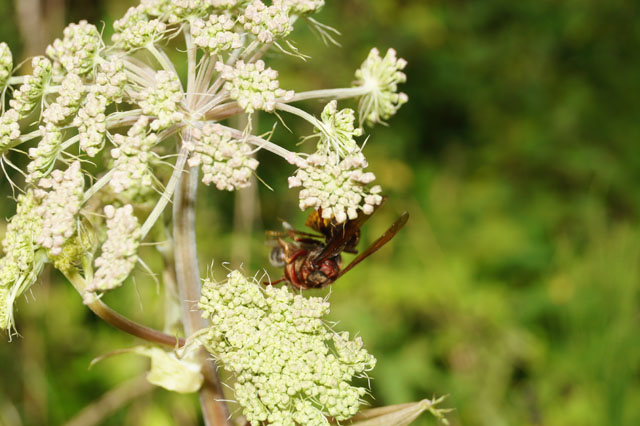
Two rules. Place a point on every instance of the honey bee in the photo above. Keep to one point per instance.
(314, 260)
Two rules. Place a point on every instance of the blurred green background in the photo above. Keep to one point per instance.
(514, 287)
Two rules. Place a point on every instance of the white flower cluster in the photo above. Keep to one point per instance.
(279, 349)
(215, 34)
(6, 305)
(253, 85)
(131, 159)
(78, 50)
(71, 94)
(224, 4)
(44, 156)
(6, 64)
(20, 266)
(9, 129)
(135, 30)
(19, 243)
(185, 10)
(267, 23)
(163, 100)
(60, 197)
(299, 7)
(155, 7)
(336, 185)
(119, 251)
(381, 76)
(91, 122)
(225, 161)
(27, 96)
(338, 130)
(111, 80)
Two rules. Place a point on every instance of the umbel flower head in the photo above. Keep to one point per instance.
(215, 34)
(22, 261)
(163, 100)
(225, 161)
(6, 64)
(27, 96)
(78, 50)
(253, 85)
(290, 367)
(267, 23)
(9, 129)
(381, 76)
(60, 200)
(336, 185)
(119, 251)
(131, 160)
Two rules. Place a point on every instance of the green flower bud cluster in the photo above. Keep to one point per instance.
(119, 251)
(338, 130)
(21, 265)
(266, 23)
(155, 8)
(110, 81)
(225, 4)
(44, 156)
(225, 161)
(131, 156)
(215, 34)
(136, 30)
(185, 10)
(60, 200)
(78, 50)
(71, 93)
(299, 7)
(381, 76)
(91, 122)
(290, 367)
(254, 86)
(9, 129)
(6, 64)
(163, 100)
(19, 243)
(336, 185)
(27, 96)
(91, 119)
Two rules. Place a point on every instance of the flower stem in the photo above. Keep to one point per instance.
(299, 112)
(121, 322)
(351, 92)
(166, 195)
(131, 327)
(214, 410)
(162, 59)
(262, 143)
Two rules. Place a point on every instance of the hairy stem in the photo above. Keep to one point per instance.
(214, 410)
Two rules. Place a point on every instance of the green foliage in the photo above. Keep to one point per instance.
(514, 287)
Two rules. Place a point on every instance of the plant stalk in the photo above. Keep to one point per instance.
(214, 410)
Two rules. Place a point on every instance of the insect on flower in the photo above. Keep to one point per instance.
(314, 260)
